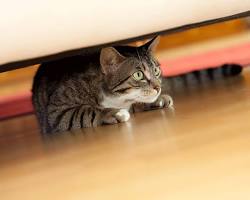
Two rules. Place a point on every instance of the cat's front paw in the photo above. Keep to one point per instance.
(122, 115)
(164, 101)
(115, 116)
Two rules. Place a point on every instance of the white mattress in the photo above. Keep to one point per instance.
(32, 28)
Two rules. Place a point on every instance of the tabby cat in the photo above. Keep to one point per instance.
(99, 87)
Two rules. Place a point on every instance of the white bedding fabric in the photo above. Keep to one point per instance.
(34, 28)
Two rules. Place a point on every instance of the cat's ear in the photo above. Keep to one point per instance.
(152, 44)
(110, 58)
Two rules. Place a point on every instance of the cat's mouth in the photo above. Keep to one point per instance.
(150, 96)
(152, 92)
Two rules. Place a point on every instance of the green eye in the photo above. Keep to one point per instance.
(157, 71)
(138, 75)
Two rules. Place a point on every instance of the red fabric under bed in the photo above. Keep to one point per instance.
(21, 103)
(239, 54)
(15, 105)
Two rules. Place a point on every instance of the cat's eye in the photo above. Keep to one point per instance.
(138, 75)
(157, 71)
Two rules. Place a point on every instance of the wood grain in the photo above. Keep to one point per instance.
(201, 152)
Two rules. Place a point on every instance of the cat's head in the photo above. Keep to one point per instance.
(132, 73)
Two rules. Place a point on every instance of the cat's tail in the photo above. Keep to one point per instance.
(204, 76)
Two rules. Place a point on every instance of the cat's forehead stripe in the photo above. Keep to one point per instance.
(147, 74)
(146, 70)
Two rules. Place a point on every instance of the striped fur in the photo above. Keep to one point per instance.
(96, 88)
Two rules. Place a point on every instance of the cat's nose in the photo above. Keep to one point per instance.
(156, 87)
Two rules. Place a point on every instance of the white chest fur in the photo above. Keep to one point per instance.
(120, 102)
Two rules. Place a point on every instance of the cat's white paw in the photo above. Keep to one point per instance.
(170, 102)
(161, 103)
(166, 101)
(122, 115)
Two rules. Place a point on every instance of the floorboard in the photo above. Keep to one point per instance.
(202, 151)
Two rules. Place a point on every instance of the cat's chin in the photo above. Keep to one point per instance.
(149, 99)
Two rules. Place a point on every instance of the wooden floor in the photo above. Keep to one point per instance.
(201, 152)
